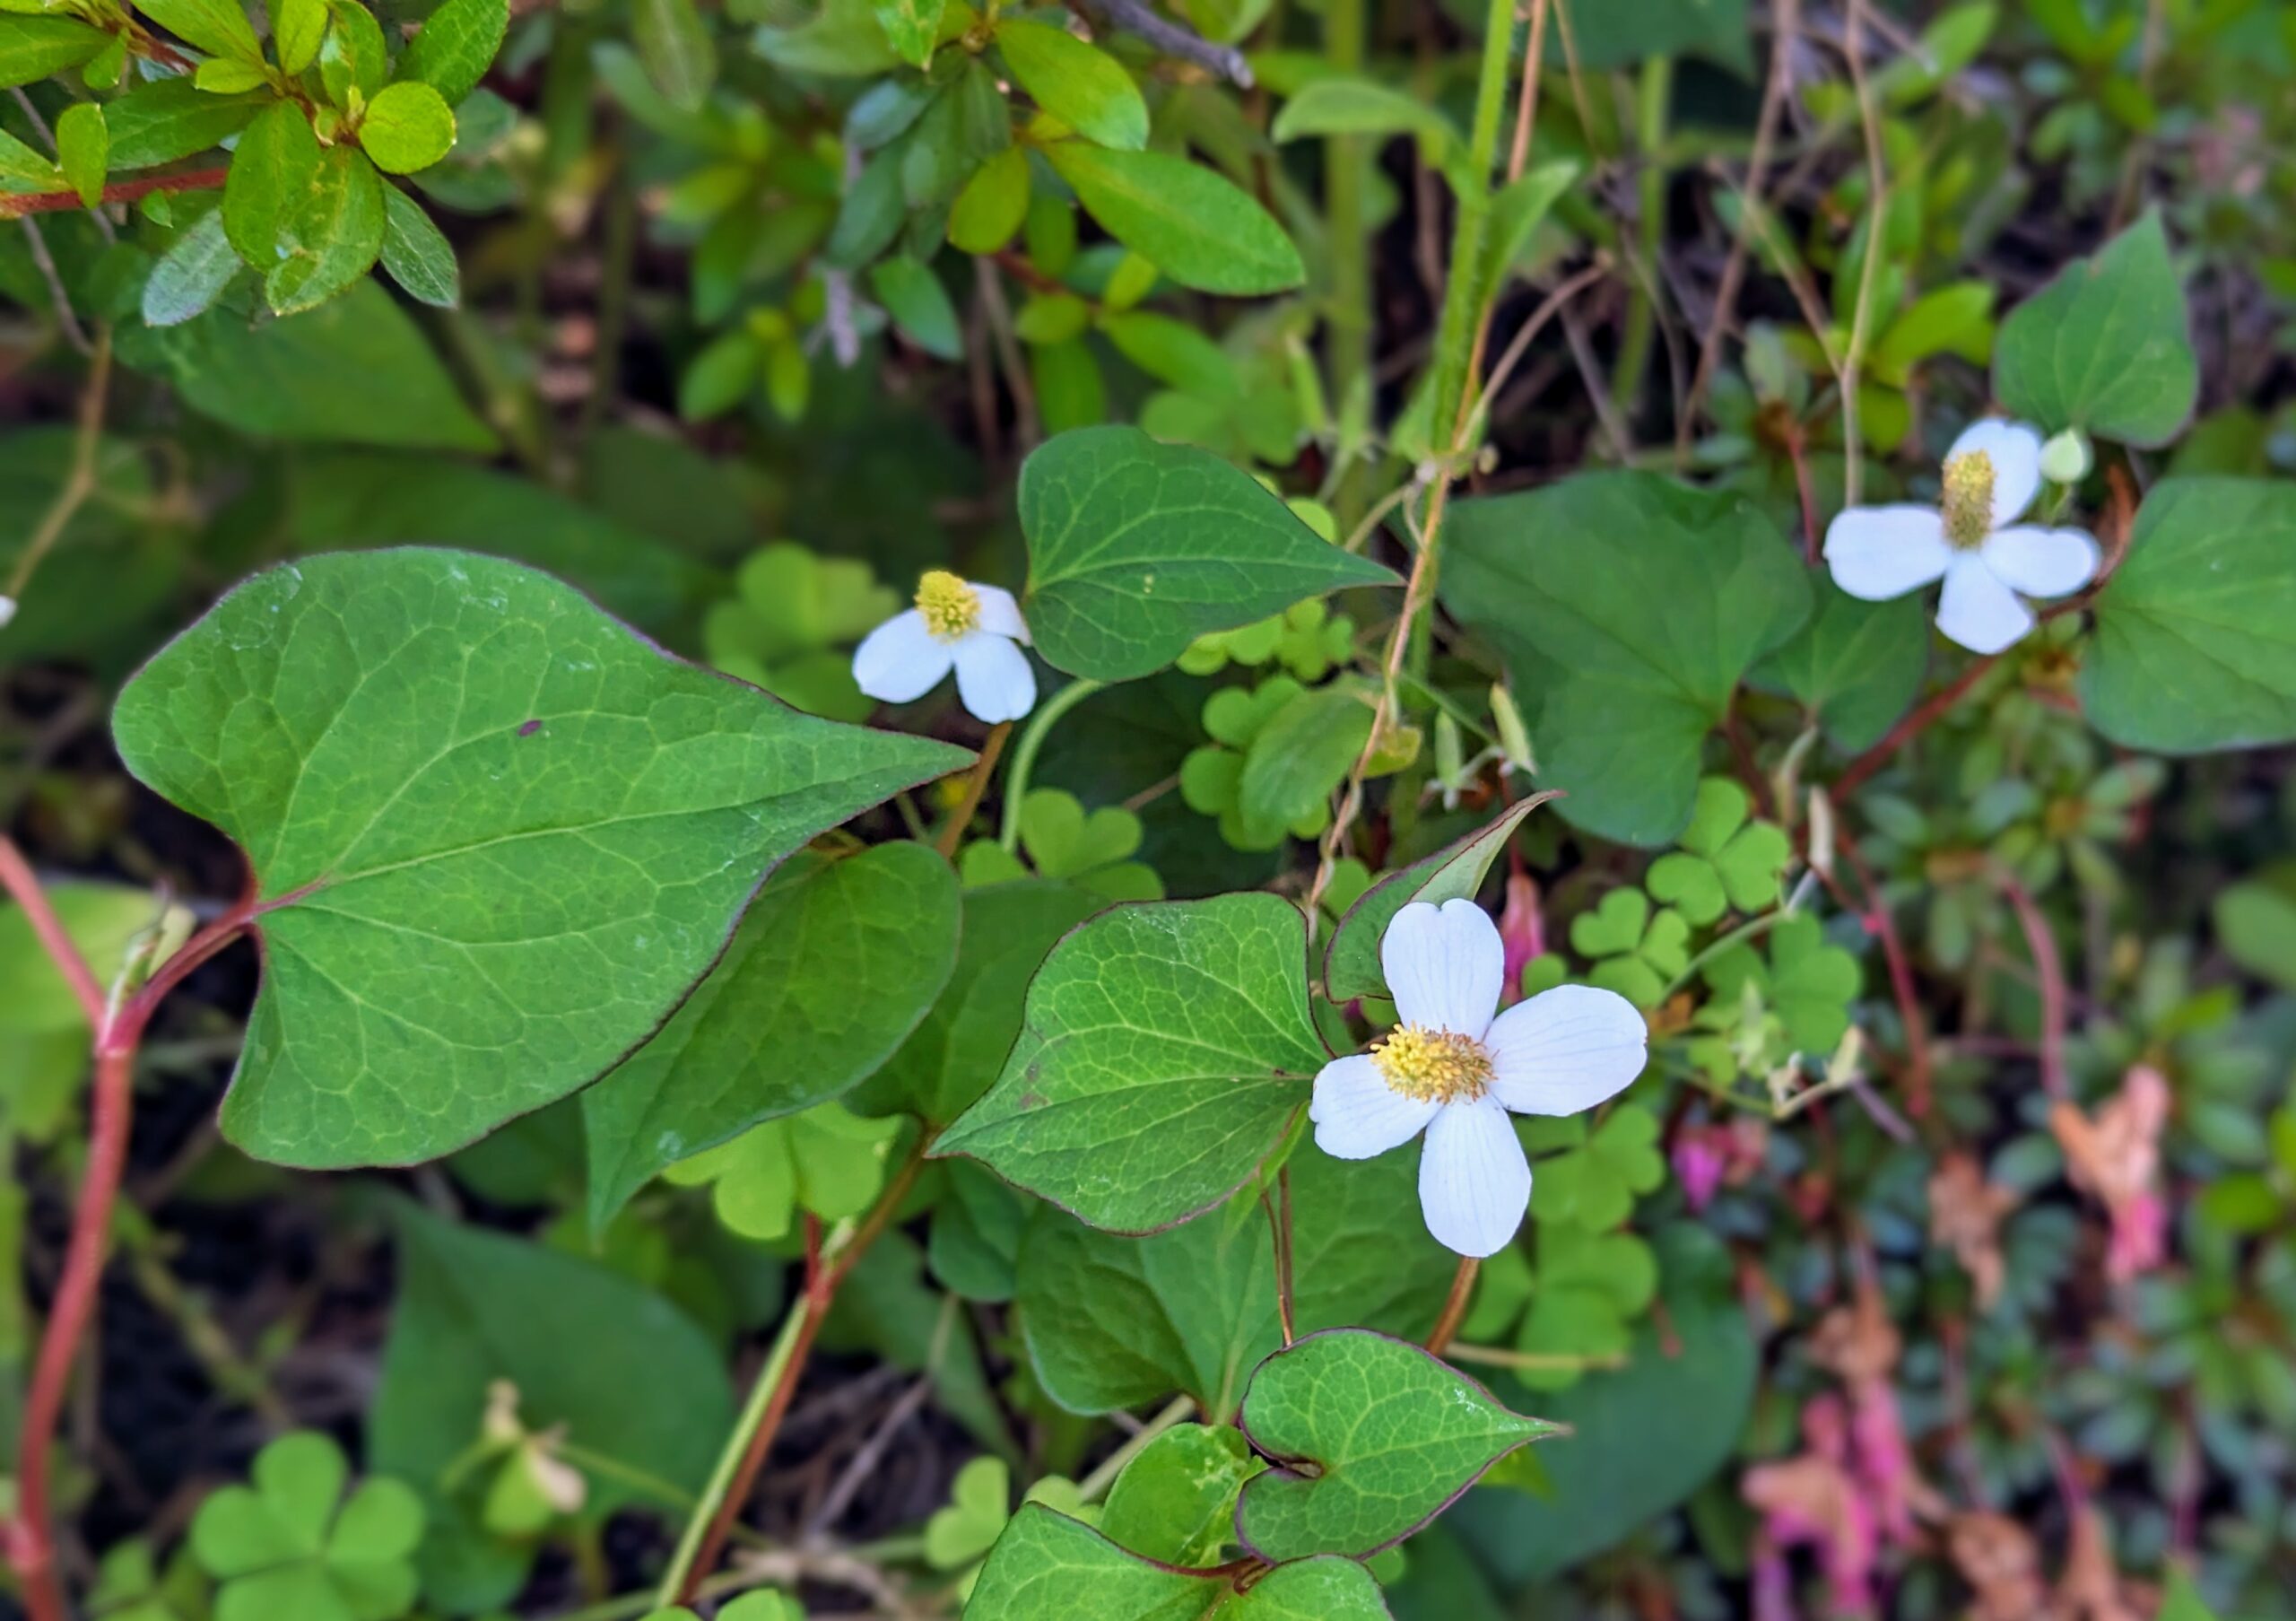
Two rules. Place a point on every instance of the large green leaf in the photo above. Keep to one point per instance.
(1190, 223)
(1176, 1501)
(1643, 1437)
(2106, 346)
(1631, 605)
(828, 973)
(329, 236)
(1371, 1439)
(1111, 1321)
(495, 837)
(1856, 665)
(632, 1379)
(1079, 84)
(356, 370)
(170, 118)
(1454, 873)
(273, 166)
(2196, 644)
(1165, 1049)
(31, 47)
(1048, 1567)
(960, 1047)
(1136, 548)
(456, 43)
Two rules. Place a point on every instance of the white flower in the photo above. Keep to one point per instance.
(1971, 538)
(1453, 1070)
(976, 630)
(7, 611)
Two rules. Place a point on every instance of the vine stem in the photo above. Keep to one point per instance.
(16, 206)
(975, 785)
(79, 479)
(1906, 730)
(1094, 1485)
(1455, 1306)
(1024, 753)
(738, 1464)
(2049, 967)
(119, 1024)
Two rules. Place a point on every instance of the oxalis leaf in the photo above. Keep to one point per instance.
(827, 975)
(2195, 645)
(1165, 1048)
(1633, 604)
(1453, 873)
(495, 837)
(1048, 1567)
(1136, 548)
(1373, 1438)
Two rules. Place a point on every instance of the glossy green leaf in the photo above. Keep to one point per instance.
(330, 236)
(2106, 346)
(192, 273)
(495, 837)
(830, 971)
(1633, 604)
(274, 167)
(1344, 106)
(1048, 1567)
(1856, 665)
(993, 204)
(919, 305)
(83, 149)
(218, 27)
(2195, 641)
(1136, 548)
(1192, 225)
(352, 54)
(297, 27)
(1371, 1438)
(417, 253)
(1079, 84)
(913, 26)
(1165, 1048)
(408, 127)
(170, 118)
(629, 1376)
(1454, 873)
(456, 43)
(1176, 1501)
(674, 44)
(960, 1047)
(31, 47)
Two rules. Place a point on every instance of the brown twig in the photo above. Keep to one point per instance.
(1862, 768)
(975, 785)
(15, 205)
(1455, 1305)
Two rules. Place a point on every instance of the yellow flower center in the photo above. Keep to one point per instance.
(1968, 503)
(1433, 1066)
(951, 608)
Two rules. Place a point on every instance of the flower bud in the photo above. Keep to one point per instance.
(2067, 458)
(1514, 737)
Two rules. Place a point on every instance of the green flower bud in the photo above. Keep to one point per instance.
(2067, 458)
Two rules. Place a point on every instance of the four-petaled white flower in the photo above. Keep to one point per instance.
(1971, 538)
(1453, 1070)
(975, 629)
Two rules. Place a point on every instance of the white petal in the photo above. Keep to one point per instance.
(2015, 450)
(1000, 616)
(1444, 965)
(1357, 1114)
(2041, 563)
(1566, 1050)
(899, 660)
(994, 677)
(1878, 553)
(1473, 1182)
(1978, 609)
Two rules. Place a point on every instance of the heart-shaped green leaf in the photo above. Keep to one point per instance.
(1856, 666)
(2196, 644)
(1176, 1502)
(1166, 1048)
(1136, 548)
(1371, 1438)
(831, 970)
(1633, 605)
(1048, 1567)
(292, 1539)
(2106, 346)
(495, 837)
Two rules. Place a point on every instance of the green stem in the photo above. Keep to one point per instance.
(762, 1390)
(1655, 91)
(1349, 340)
(1463, 294)
(1094, 1485)
(1024, 756)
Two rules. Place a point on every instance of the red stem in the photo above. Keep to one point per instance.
(15, 206)
(1455, 1307)
(2049, 968)
(1910, 727)
(17, 877)
(1917, 1033)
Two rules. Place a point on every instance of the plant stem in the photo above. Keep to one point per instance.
(79, 479)
(125, 191)
(954, 833)
(1852, 471)
(1094, 1485)
(1348, 324)
(1655, 91)
(1024, 755)
(1455, 1306)
(1534, 1361)
(1860, 769)
(736, 1476)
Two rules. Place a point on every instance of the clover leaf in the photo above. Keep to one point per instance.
(1307, 639)
(1590, 1288)
(1062, 841)
(957, 1538)
(292, 1544)
(1636, 953)
(827, 1161)
(762, 1604)
(1725, 861)
(1593, 1187)
(131, 1587)
(790, 611)
(1809, 983)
